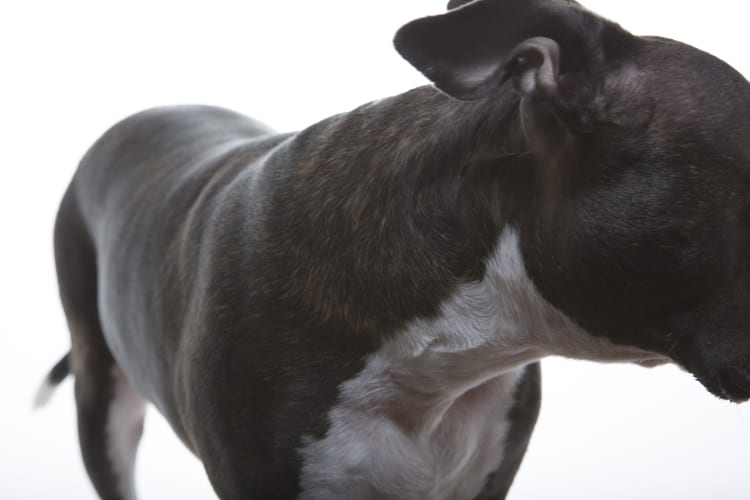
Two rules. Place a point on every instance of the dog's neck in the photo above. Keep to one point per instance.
(421, 138)
(467, 170)
(441, 382)
(417, 206)
(488, 328)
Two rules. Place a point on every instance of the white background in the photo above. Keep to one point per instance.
(69, 69)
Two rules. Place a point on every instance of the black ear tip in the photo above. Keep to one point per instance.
(401, 46)
(399, 41)
(426, 46)
(454, 4)
(407, 45)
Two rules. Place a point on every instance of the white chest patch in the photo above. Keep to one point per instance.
(427, 416)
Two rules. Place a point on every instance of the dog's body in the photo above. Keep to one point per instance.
(356, 310)
(204, 196)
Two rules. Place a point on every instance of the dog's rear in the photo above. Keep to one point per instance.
(108, 440)
(110, 409)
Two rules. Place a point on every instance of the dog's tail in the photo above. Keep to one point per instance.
(56, 375)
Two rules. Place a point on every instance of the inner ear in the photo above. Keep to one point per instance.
(535, 67)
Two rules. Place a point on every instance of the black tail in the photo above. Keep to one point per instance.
(56, 375)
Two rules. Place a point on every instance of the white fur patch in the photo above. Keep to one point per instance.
(426, 417)
(124, 428)
(44, 394)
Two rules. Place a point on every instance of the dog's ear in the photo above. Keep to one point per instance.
(469, 51)
(454, 4)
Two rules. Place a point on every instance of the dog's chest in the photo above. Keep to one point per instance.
(427, 418)
(373, 450)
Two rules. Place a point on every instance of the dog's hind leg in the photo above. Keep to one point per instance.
(110, 411)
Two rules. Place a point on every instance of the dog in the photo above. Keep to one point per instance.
(358, 310)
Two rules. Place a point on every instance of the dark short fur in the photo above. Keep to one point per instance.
(238, 276)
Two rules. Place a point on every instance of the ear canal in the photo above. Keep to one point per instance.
(535, 67)
(469, 51)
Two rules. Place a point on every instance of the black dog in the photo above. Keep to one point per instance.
(356, 310)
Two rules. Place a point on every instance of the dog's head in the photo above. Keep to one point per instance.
(638, 225)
